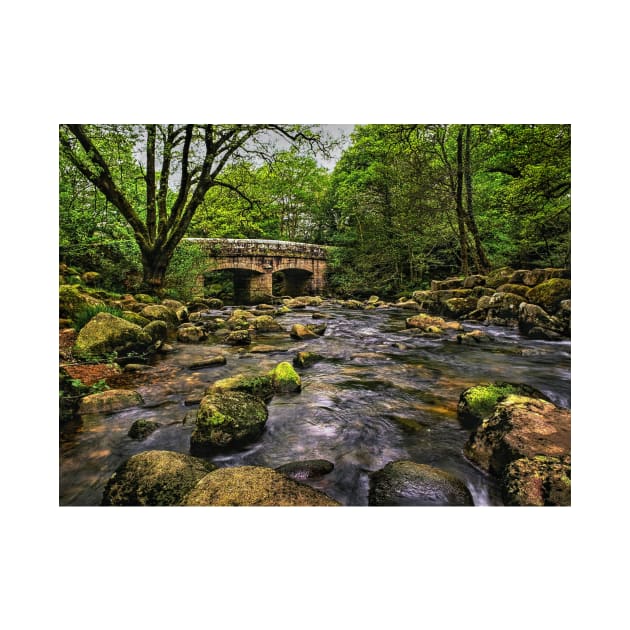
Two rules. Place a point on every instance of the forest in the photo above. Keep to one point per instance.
(384, 318)
(404, 204)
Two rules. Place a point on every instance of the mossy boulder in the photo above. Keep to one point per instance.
(73, 299)
(284, 379)
(253, 485)
(265, 323)
(504, 306)
(477, 280)
(409, 483)
(227, 419)
(550, 294)
(537, 481)
(145, 298)
(534, 322)
(135, 318)
(449, 283)
(238, 338)
(161, 312)
(519, 426)
(141, 429)
(157, 330)
(260, 386)
(109, 401)
(306, 469)
(499, 276)
(458, 307)
(155, 478)
(478, 402)
(306, 359)
(189, 333)
(516, 289)
(105, 334)
(214, 303)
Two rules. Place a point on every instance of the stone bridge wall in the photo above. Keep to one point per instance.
(255, 261)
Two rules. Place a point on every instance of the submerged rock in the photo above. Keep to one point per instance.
(110, 401)
(408, 483)
(155, 478)
(306, 469)
(141, 429)
(212, 361)
(253, 485)
(188, 333)
(306, 359)
(227, 419)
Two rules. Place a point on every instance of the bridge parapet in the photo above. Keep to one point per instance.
(229, 247)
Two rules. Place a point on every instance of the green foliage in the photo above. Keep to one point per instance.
(85, 314)
(187, 264)
(71, 390)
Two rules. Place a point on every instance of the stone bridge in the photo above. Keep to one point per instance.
(300, 266)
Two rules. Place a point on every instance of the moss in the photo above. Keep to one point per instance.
(549, 294)
(260, 386)
(285, 379)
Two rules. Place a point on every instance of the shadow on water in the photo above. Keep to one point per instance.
(381, 394)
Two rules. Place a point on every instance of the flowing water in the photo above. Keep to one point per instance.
(382, 393)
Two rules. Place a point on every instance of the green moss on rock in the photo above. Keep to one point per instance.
(155, 478)
(260, 385)
(253, 485)
(478, 402)
(227, 419)
(550, 294)
(285, 379)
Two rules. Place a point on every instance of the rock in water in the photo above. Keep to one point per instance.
(110, 401)
(155, 478)
(478, 402)
(408, 483)
(227, 419)
(253, 485)
(306, 469)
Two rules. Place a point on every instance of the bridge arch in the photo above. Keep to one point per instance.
(300, 267)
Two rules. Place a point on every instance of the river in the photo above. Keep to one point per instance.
(382, 393)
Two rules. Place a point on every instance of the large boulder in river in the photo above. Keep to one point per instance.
(109, 401)
(106, 334)
(253, 485)
(519, 426)
(408, 483)
(159, 311)
(534, 322)
(259, 386)
(504, 306)
(189, 333)
(550, 294)
(478, 402)
(458, 307)
(299, 332)
(155, 478)
(227, 419)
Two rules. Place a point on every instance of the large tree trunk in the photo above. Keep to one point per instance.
(459, 206)
(481, 260)
(154, 266)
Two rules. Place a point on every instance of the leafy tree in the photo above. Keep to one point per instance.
(178, 165)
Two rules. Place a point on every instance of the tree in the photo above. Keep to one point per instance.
(191, 161)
